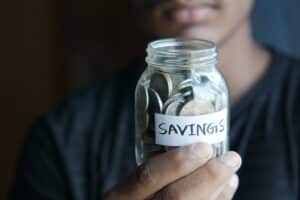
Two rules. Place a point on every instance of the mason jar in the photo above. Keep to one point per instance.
(181, 98)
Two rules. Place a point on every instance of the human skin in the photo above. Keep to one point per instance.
(186, 173)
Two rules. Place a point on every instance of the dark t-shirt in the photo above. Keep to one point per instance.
(87, 144)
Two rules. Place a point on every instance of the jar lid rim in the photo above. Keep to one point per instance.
(191, 46)
(181, 52)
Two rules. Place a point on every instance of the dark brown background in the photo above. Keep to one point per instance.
(50, 48)
(31, 74)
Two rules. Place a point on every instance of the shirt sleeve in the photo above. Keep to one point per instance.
(40, 173)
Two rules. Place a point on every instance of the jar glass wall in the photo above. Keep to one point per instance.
(181, 98)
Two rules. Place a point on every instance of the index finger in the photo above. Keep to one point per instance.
(162, 170)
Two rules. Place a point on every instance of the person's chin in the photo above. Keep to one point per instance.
(197, 33)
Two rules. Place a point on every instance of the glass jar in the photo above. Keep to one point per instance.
(180, 99)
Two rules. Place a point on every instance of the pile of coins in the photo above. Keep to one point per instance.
(181, 98)
(166, 95)
(162, 96)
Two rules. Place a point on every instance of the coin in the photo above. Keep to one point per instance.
(186, 88)
(162, 84)
(155, 106)
(187, 91)
(219, 149)
(185, 83)
(155, 102)
(150, 132)
(142, 120)
(171, 100)
(196, 107)
(174, 107)
(142, 98)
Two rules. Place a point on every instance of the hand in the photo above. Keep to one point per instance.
(185, 173)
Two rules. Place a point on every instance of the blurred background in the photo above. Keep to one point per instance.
(52, 47)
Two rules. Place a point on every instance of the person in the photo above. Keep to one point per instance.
(85, 148)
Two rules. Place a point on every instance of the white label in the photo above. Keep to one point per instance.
(184, 130)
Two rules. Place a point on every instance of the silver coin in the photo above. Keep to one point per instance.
(187, 91)
(196, 107)
(150, 132)
(142, 98)
(184, 84)
(188, 94)
(143, 120)
(219, 149)
(155, 102)
(186, 88)
(175, 97)
(174, 107)
(162, 84)
(155, 106)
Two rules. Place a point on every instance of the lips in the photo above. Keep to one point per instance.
(190, 12)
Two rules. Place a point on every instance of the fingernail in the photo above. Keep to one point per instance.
(234, 181)
(231, 159)
(200, 151)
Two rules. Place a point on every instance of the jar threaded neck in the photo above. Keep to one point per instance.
(183, 53)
